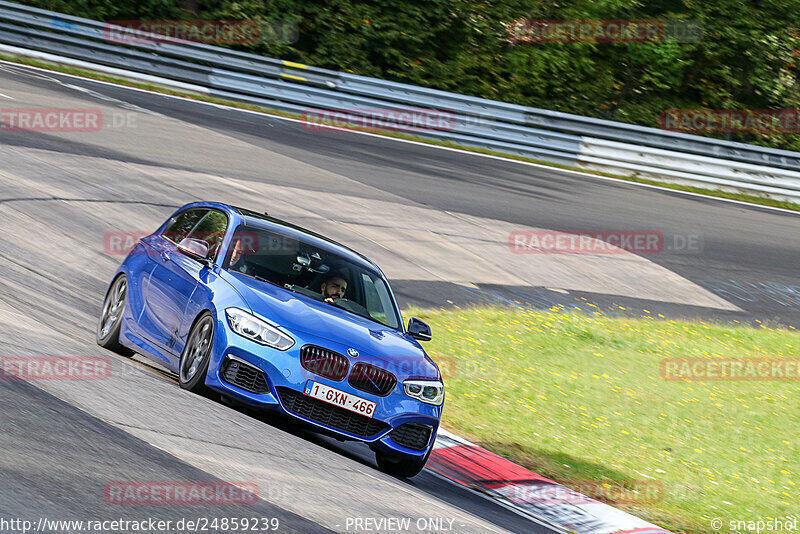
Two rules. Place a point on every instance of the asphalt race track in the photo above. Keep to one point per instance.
(436, 220)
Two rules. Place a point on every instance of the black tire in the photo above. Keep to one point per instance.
(107, 334)
(196, 355)
(400, 467)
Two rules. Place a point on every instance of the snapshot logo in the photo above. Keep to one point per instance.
(702, 369)
(787, 524)
(55, 367)
(542, 31)
(576, 492)
(180, 493)
(731, 120)
(600, 242)
(384, 119)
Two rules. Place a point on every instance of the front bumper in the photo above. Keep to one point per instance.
(283, 382)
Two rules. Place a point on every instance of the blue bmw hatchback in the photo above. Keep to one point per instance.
(277, 317)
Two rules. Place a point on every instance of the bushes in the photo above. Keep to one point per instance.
(746, 59)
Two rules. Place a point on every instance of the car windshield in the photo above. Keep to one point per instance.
(311, 271)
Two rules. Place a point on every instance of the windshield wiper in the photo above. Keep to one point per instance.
(259, 278)
(354, 312)
(300, 290)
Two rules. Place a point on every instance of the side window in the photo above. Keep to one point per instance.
(211, 229)
(371, 294)
(180, 225)
(378, 302)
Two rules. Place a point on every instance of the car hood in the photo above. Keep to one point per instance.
(295, 312)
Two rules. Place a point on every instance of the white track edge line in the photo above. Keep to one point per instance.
(517, 511)
(419, 143)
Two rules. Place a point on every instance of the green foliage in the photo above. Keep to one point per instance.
(747, 57)
(112, 9)
(581, 397)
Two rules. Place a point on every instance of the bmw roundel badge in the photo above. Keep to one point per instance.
(353, 353)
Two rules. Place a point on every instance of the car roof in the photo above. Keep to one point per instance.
(263, 220)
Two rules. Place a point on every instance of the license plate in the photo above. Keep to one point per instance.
(340, 398)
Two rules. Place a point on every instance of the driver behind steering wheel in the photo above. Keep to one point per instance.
(333, 287)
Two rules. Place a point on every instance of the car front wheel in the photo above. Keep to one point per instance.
(107, 335)
(196, 355)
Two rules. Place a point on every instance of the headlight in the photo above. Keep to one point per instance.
(428, 391)
(248, 325)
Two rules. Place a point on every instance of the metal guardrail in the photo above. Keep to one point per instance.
(546, 135)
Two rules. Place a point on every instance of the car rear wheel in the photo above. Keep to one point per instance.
(196, 355)
(400, 467)
(107, 335)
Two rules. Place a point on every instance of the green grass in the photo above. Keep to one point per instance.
(579, 397)
(743, 197)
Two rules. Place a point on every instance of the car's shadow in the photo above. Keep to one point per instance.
(427, 481)
(354, 450)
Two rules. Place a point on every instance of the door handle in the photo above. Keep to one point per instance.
(165, 256)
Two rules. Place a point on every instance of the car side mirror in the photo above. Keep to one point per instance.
(419, 330)
(194, 248)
